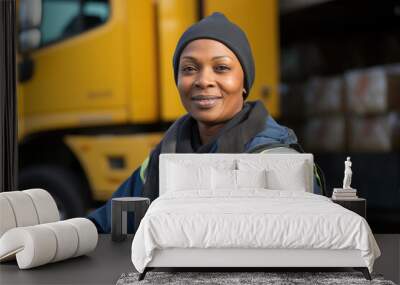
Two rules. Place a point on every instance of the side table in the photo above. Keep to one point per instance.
(357, 205)
(119, 209)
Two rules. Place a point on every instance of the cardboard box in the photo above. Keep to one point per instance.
(325, 134)
(324, 96)
(374, 90)
(379, 133)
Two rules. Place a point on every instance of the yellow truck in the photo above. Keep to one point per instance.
(96, 88)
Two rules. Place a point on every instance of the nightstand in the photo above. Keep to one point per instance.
(358, 205)
(119, 210)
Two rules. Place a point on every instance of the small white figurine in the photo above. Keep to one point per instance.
(347, 174)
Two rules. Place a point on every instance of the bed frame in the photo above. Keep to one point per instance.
(242, 259)
(260, 259)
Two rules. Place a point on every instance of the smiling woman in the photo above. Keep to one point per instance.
(214, 71)
(210, 84)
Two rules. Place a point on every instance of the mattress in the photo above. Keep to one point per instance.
(251, 219)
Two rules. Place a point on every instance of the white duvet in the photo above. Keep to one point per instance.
(252, 218)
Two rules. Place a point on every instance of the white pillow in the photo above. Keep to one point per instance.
(290, 176)
(224, 179)
(230, 179)
(188, 177)
(251, 179)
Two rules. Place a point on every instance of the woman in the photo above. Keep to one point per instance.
(214, 71)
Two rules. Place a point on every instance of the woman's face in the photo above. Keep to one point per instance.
(210, 81)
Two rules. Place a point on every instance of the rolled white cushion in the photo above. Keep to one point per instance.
(67, 240)
(40, 244)
(23, 208)
(45, 205)
(87, 235)
(33, 246)
(7, 218)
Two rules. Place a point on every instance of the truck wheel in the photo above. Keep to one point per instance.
(62, 184)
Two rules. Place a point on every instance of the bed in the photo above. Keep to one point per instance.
(245, 211)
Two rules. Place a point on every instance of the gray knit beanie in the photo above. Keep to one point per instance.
(218, 27)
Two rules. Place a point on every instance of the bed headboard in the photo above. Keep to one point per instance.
(283, 163)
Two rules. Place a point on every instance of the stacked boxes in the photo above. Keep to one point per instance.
(358, 111)
(377, 133)
(373, 100)
(373, 91)
(324, 96)
(325, 134)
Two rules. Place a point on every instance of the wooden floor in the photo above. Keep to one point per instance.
(388, 263)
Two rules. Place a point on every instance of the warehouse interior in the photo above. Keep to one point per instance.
(340, 63)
